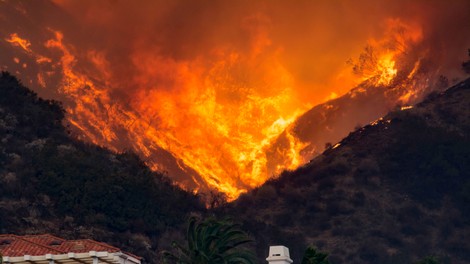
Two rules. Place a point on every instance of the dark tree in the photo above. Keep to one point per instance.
(312, 256)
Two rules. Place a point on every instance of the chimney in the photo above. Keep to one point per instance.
(278, 255)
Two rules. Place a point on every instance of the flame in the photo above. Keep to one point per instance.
(407, 96)
(205, 117)
(386, 69)
(19, 42)
(377, 63)
(414, 70)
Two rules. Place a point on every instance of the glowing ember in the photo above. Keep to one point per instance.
(406, 107)
(376, 122)
(336, 145)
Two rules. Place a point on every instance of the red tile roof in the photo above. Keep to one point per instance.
(11, 245)
(36, 245)
(85, 245)
(45, 239)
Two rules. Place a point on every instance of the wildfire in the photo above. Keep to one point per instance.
(212, 132)
(218, 114)
(194, 123)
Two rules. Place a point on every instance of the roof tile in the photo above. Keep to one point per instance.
(37, 245)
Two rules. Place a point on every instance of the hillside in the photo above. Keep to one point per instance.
(35, 20)
(393, 191)
(332, 120)
(50, 183)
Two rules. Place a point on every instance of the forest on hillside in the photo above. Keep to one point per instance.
(388, 193)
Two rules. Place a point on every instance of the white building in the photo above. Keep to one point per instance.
(279, 255)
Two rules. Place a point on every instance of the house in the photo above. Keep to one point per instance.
(49, 249)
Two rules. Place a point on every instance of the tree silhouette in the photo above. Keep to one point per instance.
(212, 242)
(312, 256)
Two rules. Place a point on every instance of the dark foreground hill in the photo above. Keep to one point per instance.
(50, 183)
(391, 192)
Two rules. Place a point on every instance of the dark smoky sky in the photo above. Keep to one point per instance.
(315, 37)
(311, 39)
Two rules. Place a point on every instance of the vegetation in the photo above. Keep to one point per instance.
(212, 242)
(52, 183)
(391, 192)
(312, 256)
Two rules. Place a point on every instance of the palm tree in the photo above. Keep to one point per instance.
(312, 256)
(212, 242)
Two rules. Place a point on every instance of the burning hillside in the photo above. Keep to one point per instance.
(211, 91)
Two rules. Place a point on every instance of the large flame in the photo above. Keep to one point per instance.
(218, 111)
(217, 121)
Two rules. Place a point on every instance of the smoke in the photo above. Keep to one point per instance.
(312, 39)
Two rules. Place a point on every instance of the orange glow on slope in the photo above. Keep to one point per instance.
(15, 40)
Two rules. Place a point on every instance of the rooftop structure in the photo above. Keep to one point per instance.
(279, 255)
(49, 249)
